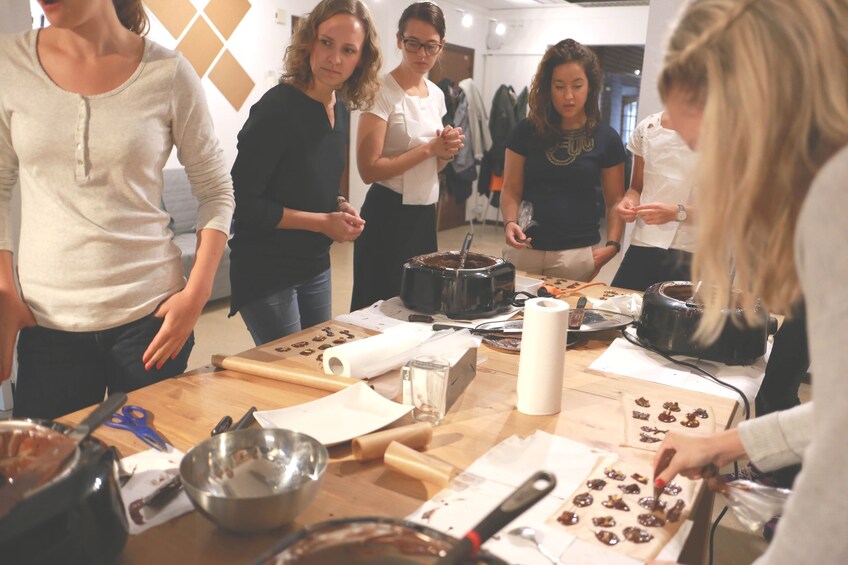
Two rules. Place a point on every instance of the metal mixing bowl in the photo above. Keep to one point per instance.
(254, 480)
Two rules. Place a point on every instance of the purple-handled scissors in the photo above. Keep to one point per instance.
(134, 419)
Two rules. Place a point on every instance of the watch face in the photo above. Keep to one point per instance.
(681, 214)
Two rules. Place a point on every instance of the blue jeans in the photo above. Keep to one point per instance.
(61, 372)
(289, 310)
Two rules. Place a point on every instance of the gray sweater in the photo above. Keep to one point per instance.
(95, 249)
(814, 527)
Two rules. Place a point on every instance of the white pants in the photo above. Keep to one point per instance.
(575, 264)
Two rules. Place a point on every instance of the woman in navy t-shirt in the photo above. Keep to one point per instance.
(554, 160)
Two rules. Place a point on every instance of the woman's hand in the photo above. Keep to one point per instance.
(343, 226)
(179, 315)
(515, 237)
(601, 256)
(657, 213)
(14, 315)
(626, 209)
(447, 143)
(693, 453)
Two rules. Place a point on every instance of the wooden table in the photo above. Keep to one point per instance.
(186, 408)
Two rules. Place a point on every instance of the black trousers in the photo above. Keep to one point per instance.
(61, 372)
(644, 266)
(393, 233)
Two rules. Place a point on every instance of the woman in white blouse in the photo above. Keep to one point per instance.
(401, 147)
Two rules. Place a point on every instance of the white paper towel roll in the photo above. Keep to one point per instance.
(372, 356)
(542, 362)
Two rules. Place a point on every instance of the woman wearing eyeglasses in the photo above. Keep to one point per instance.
(401, 147)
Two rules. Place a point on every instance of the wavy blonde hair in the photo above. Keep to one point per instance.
(358, 91)
(772, 79)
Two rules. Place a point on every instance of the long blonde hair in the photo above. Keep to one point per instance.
(357, 92)
(772, 79)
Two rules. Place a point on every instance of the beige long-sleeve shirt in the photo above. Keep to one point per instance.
(95, 248)
(815, 521)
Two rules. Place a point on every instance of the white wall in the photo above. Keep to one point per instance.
(530, 32)
(662, 15)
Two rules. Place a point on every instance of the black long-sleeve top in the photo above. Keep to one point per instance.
(288, 157)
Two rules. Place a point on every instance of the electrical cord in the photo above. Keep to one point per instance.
(746, 406)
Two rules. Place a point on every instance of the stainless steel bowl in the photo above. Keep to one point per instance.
(254, 480)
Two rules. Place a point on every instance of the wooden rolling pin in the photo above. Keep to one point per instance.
(291, 375)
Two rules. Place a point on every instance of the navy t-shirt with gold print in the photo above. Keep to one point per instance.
(560, 181)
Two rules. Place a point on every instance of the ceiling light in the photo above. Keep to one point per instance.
(467, 20)
(637, 72)
(500, 29)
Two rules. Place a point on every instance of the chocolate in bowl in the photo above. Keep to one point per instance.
(361, 541)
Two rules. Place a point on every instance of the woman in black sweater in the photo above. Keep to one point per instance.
(292, 154)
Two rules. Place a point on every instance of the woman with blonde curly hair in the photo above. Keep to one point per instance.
(555, 159)
(291, 158)
(760, 89)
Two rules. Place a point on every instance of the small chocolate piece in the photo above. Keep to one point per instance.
(596, 484)
(630, 489)
(282, 349)
(319, 338)
(307, 352)
(701, 413)
(655, 430)
(639, 478)
(645, 438)
(329, 333)
(651, 520)
(604, 522)
(339, 341)
(607, 537)
(320, 358)
(324, 346)
(637, 535)
(643, 402)
(641, 415)
(616, 503)
(671, 406)
(568, 518)
(673, 514)
(583, 500)
(325, 329)
(615, 475)
(300, 344)
(648, 503)
(672, 489)
(666, 417)
(691, 421)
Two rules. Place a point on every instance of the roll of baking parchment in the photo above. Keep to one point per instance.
(542, 361)
(418, 465)
(288, 374)
(375, 355)
(373, 446)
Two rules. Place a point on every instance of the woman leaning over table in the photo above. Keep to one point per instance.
(773, 159)
(89, 112)
(401, 147)
(291, 158)
(554, 160)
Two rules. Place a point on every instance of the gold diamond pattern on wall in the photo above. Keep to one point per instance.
(174, 14)
(201, 44)
(231, 80)
(226, 15)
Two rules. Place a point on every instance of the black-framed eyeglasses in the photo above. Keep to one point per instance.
(412, 45)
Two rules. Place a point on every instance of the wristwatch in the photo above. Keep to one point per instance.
(681, 213)
(339, 201)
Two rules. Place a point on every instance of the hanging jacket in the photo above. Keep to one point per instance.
(478, 119)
